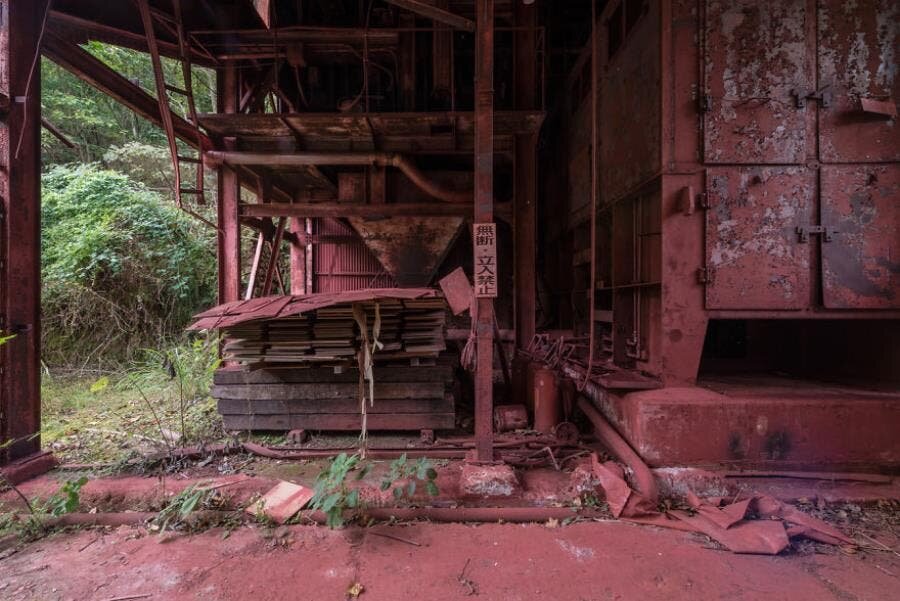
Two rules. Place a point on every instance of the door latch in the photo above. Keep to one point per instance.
(804, 232)
(823, 95)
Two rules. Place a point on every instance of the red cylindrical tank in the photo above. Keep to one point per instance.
(510, 417)
(546, 400)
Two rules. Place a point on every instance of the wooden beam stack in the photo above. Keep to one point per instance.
(408, 328)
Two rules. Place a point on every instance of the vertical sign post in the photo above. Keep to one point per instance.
(484, 216)
(485, 252)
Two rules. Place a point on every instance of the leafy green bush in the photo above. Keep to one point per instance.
(121, 269)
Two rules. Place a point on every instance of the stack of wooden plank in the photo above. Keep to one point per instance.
(328, 398)
(407, 328)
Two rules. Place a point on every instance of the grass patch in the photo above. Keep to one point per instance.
(115, 424)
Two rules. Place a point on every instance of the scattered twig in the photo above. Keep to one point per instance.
(552, 458)
(880, 544)
(129, 597)
(162, 431)
(25, 500)
(471, 589)
(93, 540)
(397, 538)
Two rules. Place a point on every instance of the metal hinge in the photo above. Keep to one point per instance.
(804, 232)
(706, 103)
(823, 95)
(705, 275)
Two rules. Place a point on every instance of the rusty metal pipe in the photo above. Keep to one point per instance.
(303, 159)
(433, 514)
(646, 483)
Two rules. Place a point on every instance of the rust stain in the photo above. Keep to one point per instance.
(752, 246)
(410, 248)
(861, 262)
(858, 61)
(755, 60)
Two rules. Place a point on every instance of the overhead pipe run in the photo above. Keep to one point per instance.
(337, 159)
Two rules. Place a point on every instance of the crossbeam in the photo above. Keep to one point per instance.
(435, 13)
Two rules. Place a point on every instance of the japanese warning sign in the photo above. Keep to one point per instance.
(485, 237)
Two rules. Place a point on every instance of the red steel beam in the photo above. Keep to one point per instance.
(298, 256)
(77, 30)
(20, 229)
(93, 71)
(272, 267)
(435, 13)
(229, 227)
(484, 213)
(525, 230)
(334, 210)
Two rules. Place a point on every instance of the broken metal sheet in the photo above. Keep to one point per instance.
(861, 253)
(858, 68)
(756, 63)
(754, 258)
(727, 523)
(281, 502)
(457, 290)
(409, 248)
(272, 307)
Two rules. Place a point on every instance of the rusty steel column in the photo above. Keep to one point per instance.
(229, 236)
(484, 213)
(298, 256)
(20, 227)
(525, 176)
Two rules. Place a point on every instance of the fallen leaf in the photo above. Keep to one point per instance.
(356, 589)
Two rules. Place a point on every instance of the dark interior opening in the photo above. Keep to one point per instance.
(846, 351)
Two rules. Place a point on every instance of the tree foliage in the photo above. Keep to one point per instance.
(121, 269)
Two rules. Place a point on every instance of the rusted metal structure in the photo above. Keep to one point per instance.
(748, 229)
(689, 195)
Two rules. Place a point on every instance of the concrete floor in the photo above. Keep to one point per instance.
(579, 562)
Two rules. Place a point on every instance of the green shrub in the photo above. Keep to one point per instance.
(121, 269)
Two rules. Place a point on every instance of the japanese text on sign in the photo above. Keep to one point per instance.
(485, 237)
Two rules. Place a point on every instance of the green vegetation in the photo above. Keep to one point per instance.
(333, 496)
(340, 502)
(158, 403)
(404, 475)
(121, 270)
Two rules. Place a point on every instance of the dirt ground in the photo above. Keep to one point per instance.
(580, 562)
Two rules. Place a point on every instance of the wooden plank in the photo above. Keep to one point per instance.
(408, 390)
(328, 375)
(291, 407)
(340, 421)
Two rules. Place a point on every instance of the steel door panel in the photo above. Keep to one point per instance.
(861, 260)
(753, 257)
(755, 56)
(858, 57)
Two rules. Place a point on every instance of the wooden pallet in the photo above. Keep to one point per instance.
(328, 398)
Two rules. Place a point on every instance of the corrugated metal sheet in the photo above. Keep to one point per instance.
(345, 266)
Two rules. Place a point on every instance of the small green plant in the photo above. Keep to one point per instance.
(180, 507)
(404, 476)
(32, 527)
(4, 338)
(332, 496)
(66, 499)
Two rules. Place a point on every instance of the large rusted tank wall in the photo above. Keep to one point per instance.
(735, 137)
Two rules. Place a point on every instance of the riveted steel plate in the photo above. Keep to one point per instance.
(755, 58)
(753, 255)
(858, 61)
(861, 262)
